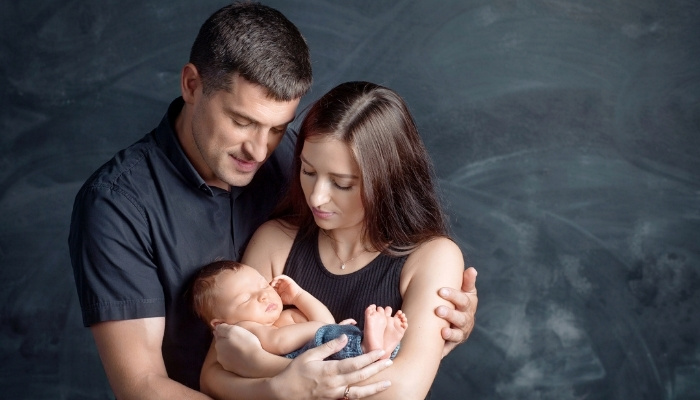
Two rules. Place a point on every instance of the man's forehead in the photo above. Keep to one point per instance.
(260, 110)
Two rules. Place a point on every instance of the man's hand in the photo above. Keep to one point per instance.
(309, 377)
(461, 319)
(240, 352)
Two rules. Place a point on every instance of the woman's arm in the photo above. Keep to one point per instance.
(435, 264)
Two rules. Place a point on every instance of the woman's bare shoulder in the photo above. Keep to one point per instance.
(438, 248)
(436, 259)
(269, 247)
(276, 229)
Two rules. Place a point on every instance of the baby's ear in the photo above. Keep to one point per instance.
(215, 322)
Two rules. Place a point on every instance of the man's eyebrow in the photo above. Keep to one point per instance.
(348, 176)
(239, 114)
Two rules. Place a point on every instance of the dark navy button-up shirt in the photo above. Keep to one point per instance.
(145, 222)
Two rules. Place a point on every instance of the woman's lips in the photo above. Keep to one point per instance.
(321, 214)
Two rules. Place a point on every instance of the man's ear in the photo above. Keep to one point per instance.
(190, 82)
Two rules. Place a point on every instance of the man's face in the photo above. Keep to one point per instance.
(236, 131)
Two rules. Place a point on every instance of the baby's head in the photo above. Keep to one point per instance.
(231, 292)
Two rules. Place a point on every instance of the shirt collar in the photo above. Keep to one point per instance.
(167, 141)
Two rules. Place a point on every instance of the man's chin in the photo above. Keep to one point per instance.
(242, 179)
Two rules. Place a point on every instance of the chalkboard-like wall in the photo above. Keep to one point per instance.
(566, 136)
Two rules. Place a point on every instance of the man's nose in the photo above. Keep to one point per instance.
(257, 144)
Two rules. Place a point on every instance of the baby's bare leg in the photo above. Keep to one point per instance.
(375, 325)
(395, 328)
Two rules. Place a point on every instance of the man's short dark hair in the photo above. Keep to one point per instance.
(258, 43)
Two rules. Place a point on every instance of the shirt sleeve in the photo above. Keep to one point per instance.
(113, 262)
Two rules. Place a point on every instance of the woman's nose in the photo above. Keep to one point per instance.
(320, 194)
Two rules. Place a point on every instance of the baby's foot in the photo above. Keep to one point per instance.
(375, 325)
(395, 328)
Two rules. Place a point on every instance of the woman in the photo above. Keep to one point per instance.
(361, 224)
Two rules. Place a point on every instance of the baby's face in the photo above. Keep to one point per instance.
(245, 295)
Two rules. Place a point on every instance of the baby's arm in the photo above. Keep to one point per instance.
(292, 293)
(284, 339)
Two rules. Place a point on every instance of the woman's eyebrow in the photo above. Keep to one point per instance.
(336, 174)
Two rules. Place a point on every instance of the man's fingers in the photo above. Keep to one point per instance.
(456, 318)
(222, 330)
(469, 280)
(447, 334)
(467, 296)
(465, 301)
(458, 323)
(453, 335)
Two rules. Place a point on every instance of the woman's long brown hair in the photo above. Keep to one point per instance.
(402, 209)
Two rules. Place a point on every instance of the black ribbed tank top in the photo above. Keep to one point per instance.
(346, 296)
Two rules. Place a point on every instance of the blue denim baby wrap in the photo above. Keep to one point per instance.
(329, 332)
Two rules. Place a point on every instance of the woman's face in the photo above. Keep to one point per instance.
(332, 184)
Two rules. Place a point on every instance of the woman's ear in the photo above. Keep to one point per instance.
(190, 82)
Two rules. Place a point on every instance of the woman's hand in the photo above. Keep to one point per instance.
(461, 319)
(310, 377)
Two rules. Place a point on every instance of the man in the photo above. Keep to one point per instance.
(191, 191)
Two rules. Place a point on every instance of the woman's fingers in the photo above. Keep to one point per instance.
(359, 392)
(329, 379)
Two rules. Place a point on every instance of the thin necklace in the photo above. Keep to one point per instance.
(343, 263)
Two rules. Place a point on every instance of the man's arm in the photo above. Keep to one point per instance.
(131, 355)
(462, 318)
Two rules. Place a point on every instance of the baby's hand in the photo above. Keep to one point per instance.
(286, 288)
(348, 321)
